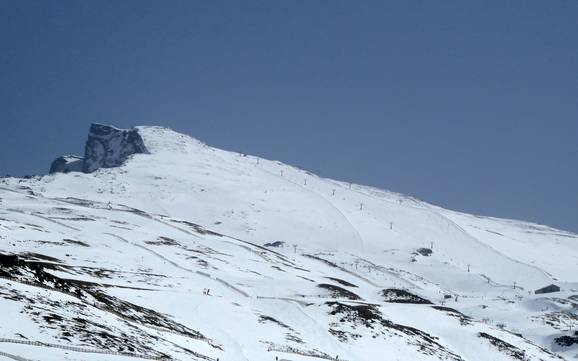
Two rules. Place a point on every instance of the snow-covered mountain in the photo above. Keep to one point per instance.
(111, 255)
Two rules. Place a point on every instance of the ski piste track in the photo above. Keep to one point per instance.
(13, 357)
(325, 200)
(175, 264)
(431, 210)
(331, 264)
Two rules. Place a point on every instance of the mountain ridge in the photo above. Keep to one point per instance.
(297, 265)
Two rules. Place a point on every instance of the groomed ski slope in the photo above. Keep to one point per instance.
(164, 226)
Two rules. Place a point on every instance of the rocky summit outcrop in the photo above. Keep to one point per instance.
(67, 163)
(109, 147)
(106, 147)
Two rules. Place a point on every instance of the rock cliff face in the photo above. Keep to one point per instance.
(109, 147)
(67, 163)
(106, 147)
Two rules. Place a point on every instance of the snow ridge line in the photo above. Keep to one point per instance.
(394, 274)
(82, 203)
(225, 283)
(262, 255)
(80, 349)
(32, 284)
(493, 283)
(186, 231)
(34, 214)
(291, 350)
(343, 269)
(280, 256)
(301, 303)
(13, 357)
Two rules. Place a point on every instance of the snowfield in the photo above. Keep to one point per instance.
(115, 264)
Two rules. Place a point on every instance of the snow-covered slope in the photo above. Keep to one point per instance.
(299, 267)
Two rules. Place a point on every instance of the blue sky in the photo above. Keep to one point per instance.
(470, 105)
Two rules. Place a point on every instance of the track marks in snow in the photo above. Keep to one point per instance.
(175, 264)
(14, 357)
(331, 264)
(37, 215)
(459, 228)
(324, 200)
(131, 210)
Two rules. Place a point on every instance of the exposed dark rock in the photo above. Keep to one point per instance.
(567, 341)
(142, 315)
(56, 315)
(66, 164)
(265, 319)
(464, 320)
(395, 295)
(274, 244)
(33, 272)
(338, 292)
(106, 147)
(163, 241)
(504, 346)
(109, 147)
(75, 242)
(426, 252)
(342, 282)
(369, 316)
(197, 228)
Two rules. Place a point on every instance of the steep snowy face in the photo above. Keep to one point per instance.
(109, 147)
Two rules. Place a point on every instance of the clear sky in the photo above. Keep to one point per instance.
(472, 105)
